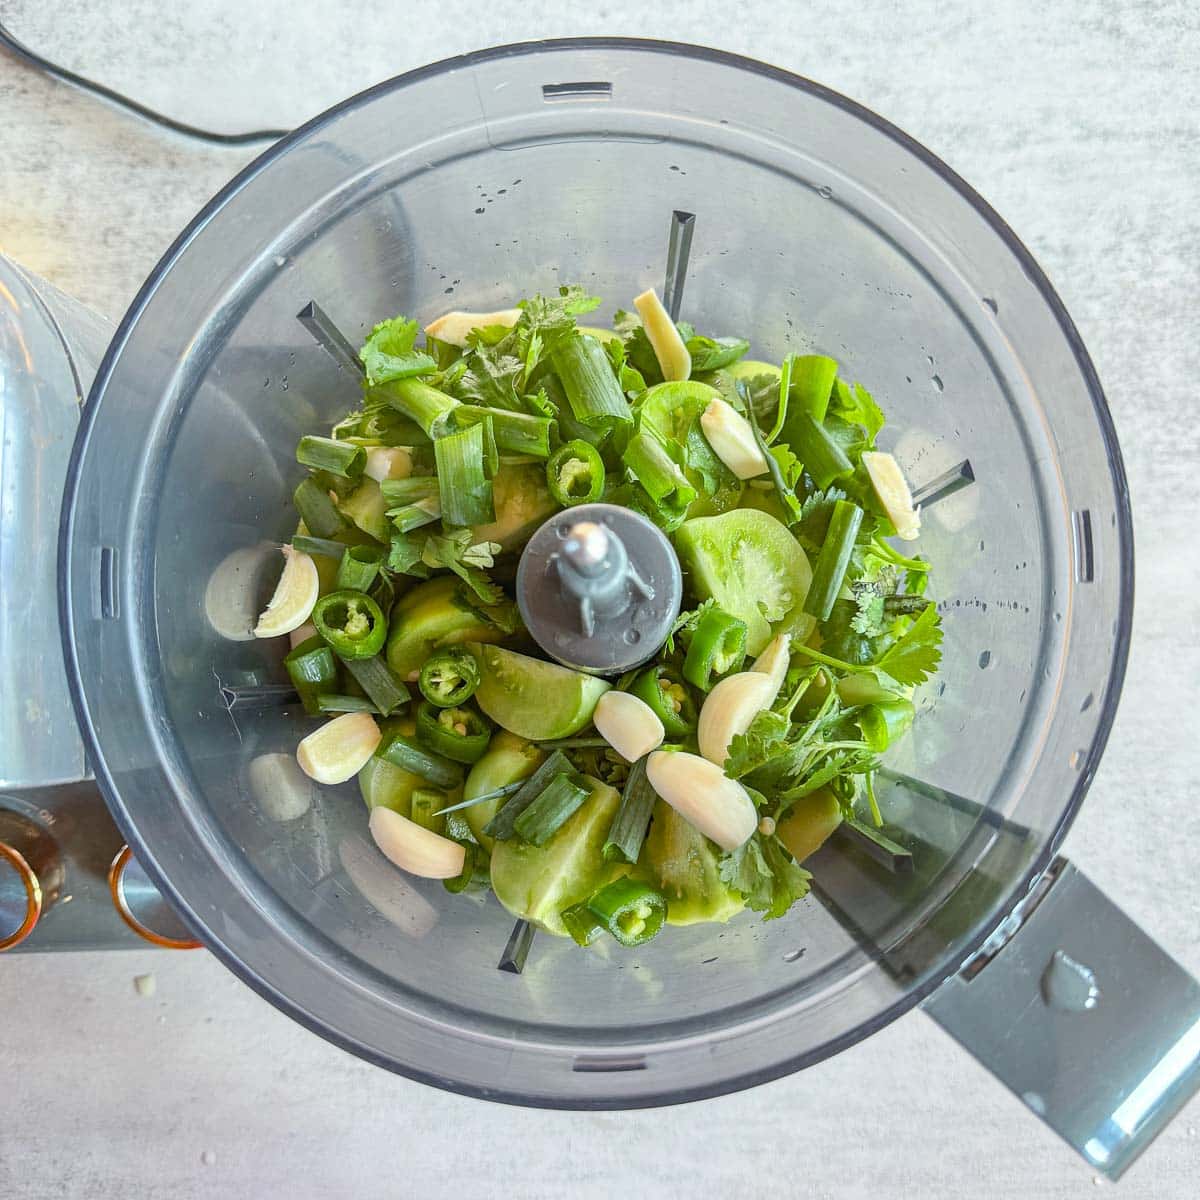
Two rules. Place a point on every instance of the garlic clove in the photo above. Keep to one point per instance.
(339, 749)
(453, 327)
(629, 725)
(732, 440)
(893, 492)
(673, 358)
(719, 807)
(730, 708)
(294, 596)
(413, 848)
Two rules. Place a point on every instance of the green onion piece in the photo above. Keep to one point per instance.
(718, 646)
(872, 800)
(575, 474)
(781, 409)
(503, 825)
(352, 623)
(386, 690)
(326, 547)
(459, 734)
(822, 457)
(420, 403)
(475, 872)
(574, 743)
(629, 826)
(491, 452)
(812, 384)
(427, 804)
(399, 492)
(358, 568)
(331, 702)
(383, 591)
(667, 695)
(647, 457)
(409, 755)
(632, 912)
(883, 723)
(328, 454)
(581, 923)
(499, 794)
(312, 669)
(515, 432)
(552, 809)
(450, 677)
(465, 490)
(317, 511)
(592, 390)
(339, 485)
(414, 516)
(830, 570)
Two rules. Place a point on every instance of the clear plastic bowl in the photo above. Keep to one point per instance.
(466, 184)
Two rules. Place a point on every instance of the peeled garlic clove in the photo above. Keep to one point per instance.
(339, 749)
(673, 358)
(893, 492)
(775, 660)
(732, 440)
(294, 597)
(629, 725)
(413, 848)
(701, 793)
(454, 326)
(388, 462)
(730, 708)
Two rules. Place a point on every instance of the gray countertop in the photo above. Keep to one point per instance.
(1077, 122)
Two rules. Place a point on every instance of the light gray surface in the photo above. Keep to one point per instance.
(1078, 123)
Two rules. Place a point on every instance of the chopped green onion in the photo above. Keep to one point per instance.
(420, 403)
(475, 872)
(386, 690)
(358, 568)
(647, 457)
(822, 457)
(503, 825)
(466, 492)
(414, 516)
(312, 670)
(631, 911)
(331, 702)
(575, 474)
(459, 734)
(551, 810)
(407, 754)
(882, 723)
(318, 512)
(586, 375)
(628, 830)
(427, 804)
(326, 547)
(830, 570)
(574, 743)
(718, 646)
(328, 454)
(581, 923)
(365, 507)
(515, 432)
(781, 409)
(450, 677)
(812, 383)
(399, 492)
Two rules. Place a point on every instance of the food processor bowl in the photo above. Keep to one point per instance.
(817, 227)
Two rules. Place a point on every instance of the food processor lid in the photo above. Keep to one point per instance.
(260, 231)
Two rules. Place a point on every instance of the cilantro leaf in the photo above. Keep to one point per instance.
(638, 351)
(388, 353)
(915, 654)
(711, 354)
(869, 595)
(856, 406)
(467, 559)
(491, 379)
(630, 378)
(766, 739)
(404, 555)
(765, 875)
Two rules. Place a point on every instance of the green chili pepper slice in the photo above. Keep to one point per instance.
(667, 695)
(459, 734)
(718, 646)
(633, 912)
(352, 623)
(575, 474)
(449, 678)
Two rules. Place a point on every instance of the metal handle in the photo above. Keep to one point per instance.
(142, 907)
(1093, 1026)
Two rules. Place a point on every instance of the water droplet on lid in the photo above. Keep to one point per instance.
(283, 383)
(990, 303)
(938, 385)
(984, 659)
(793, 955)
(825, 192)
(631, 637)
(929, 359)
(1069, 985)
(280, 261)
(1087, 702)
(1035, 1102)
(1076, 760)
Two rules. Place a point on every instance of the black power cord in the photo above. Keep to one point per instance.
(21, 51)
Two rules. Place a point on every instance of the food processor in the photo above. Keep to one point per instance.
(763, 204)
